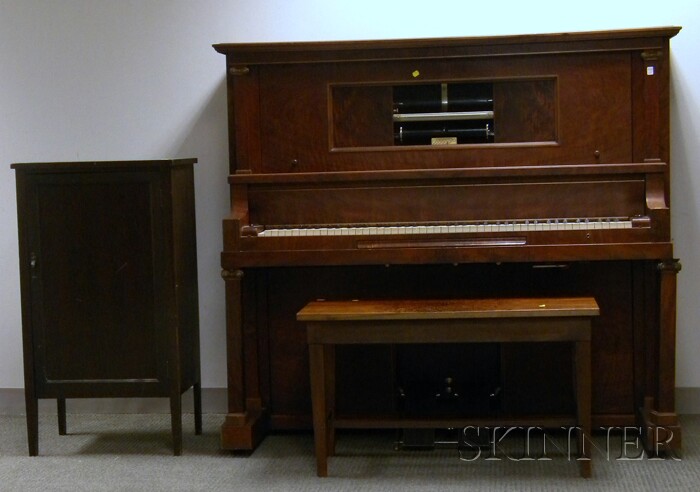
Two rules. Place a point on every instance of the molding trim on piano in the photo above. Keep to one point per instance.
(214, 401)
(239, 71)
(673, 266)
(652, 55)
(226, 274)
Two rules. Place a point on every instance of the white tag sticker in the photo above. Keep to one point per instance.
(650, 70)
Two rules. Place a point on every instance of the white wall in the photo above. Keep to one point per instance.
(138, 79)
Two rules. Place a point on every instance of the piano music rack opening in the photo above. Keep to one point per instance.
(439, 113)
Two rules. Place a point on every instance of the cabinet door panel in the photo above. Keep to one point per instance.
(94, 289)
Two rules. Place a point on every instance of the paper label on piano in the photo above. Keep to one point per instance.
(443, 141)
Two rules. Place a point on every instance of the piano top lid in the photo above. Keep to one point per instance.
(367, 50)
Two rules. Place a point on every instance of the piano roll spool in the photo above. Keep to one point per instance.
(406, 136)
(431, 106)
(443, 116)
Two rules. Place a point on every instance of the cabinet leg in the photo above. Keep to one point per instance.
(176, 423)
(61, 407)
(197, 392)
(32, 405)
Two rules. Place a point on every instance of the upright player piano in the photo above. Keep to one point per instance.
(530, 165)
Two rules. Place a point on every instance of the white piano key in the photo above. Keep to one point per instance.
(544, 225)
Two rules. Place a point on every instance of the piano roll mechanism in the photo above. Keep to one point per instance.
(443, 114)
(511, 166)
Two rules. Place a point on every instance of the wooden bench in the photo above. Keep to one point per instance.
(331, 323)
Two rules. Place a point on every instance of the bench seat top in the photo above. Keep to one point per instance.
(357, 310)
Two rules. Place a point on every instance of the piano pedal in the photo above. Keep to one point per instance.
(430, 439)
(495, 399)
(415, 440)
(473, 438)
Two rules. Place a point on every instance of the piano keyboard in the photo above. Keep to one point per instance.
(467, 228)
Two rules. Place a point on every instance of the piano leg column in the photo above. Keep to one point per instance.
(245, 425)
(663, 431)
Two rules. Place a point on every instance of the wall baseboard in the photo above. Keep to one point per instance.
(213, 401)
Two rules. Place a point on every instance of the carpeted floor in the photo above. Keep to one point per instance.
(132, 453)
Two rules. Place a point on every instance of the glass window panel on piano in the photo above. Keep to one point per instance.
(443, 113)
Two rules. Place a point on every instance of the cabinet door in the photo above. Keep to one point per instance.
(96, 303)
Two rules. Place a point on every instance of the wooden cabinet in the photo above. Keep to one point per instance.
(108, 269)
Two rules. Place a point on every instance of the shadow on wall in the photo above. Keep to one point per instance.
(207, 140)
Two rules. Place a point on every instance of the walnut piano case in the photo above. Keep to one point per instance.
(510, 166)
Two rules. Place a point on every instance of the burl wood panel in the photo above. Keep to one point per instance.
(361, 116)
(525, 111)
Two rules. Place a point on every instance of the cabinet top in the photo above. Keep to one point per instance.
(365, 50)
(101, 165)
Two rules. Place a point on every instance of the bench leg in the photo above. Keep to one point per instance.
(319, 399)
(582, 375)
(32, 423)
(329, 364)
